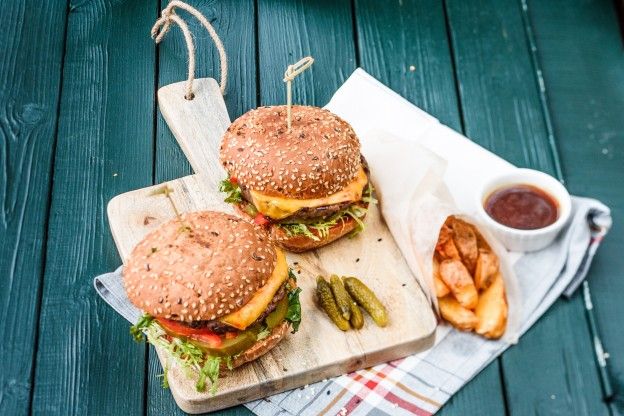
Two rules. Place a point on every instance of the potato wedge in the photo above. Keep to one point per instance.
(441, 289)
(486, 270)
(465, 239)
(458, 316)
(455, 275)
(491, 310)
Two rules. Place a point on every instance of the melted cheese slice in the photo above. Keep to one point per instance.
(277, 208)
(248, 314)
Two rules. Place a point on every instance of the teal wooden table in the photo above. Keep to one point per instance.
(541, 83)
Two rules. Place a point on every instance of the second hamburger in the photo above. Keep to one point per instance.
(309, 185)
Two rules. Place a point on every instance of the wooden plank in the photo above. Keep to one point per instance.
(369, 256)
(289, 30)
(580, 49)
(502, 111)
(234, 22)
(405, 45)
(86, 361)
(33, 35)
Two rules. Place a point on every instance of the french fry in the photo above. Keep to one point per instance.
(465, 240)
(441, 289)
(486, 270)
(458, 316)
(491, 310)
(455, 275)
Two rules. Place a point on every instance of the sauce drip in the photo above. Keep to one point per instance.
(523, 207)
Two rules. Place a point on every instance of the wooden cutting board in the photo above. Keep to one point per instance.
(319, 350)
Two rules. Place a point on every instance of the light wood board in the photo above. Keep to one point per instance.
(319, 350)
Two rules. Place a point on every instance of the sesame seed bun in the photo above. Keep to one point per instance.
(317, 158)
(200, 267)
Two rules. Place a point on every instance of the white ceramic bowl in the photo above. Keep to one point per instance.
(526, 240)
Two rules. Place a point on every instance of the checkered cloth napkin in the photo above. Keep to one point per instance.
(420, 384)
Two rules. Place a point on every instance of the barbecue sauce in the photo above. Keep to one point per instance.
(523, 207)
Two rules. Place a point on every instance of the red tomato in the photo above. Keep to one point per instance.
(211, 340)
(177, 328)
(233, 180)
(261, 220)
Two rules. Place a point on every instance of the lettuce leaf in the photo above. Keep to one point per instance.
(233, 191)
(293, 315)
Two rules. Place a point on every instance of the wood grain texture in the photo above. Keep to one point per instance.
(369, 256)
(581, 53)
(198, 125)
(289, 30)
(86, 361)
(234, 22)
(405, 45)
(502, 111)
(30, 78)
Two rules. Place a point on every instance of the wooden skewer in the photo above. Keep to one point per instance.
(291, 73)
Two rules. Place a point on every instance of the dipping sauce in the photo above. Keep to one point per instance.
(523, 207)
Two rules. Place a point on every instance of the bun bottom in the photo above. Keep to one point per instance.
(301, 243)
(261, 347)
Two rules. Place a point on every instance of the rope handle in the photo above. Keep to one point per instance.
(291, 73)
(162, 26)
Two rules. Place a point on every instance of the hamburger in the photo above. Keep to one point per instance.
(308, 185)
(216, 293)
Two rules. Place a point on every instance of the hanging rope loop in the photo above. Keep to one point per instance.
(168, 17)
(291, 73)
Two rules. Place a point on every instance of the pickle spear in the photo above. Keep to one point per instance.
(343, 300)
(326, 299)
(367, 300)
(357, 319)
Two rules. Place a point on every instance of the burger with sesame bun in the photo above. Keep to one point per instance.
(309, 185)
(216, 293)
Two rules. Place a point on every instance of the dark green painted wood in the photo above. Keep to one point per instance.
(289, 30)
(87, 363)
(581, 52)
(503, 112)
(234, 22)
(406, 46)
(30, 76)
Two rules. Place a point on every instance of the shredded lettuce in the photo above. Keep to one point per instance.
(187, 355)
(209, 371)
(233, 191)
(323, 226)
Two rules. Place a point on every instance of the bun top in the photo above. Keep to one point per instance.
(317, 158)
(207, 267)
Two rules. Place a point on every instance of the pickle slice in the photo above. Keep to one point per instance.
(327, 302)
(229, 347)
(278, 315)
(367, 300)
(343, 300)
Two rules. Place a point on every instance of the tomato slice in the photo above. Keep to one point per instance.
(261, 220)
(233, 180)
(210, 340)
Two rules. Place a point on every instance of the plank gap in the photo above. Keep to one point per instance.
(44, 244)
(451, 44)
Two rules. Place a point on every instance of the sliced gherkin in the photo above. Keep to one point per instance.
(367, 300)
(343, 300)
(327, 302)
